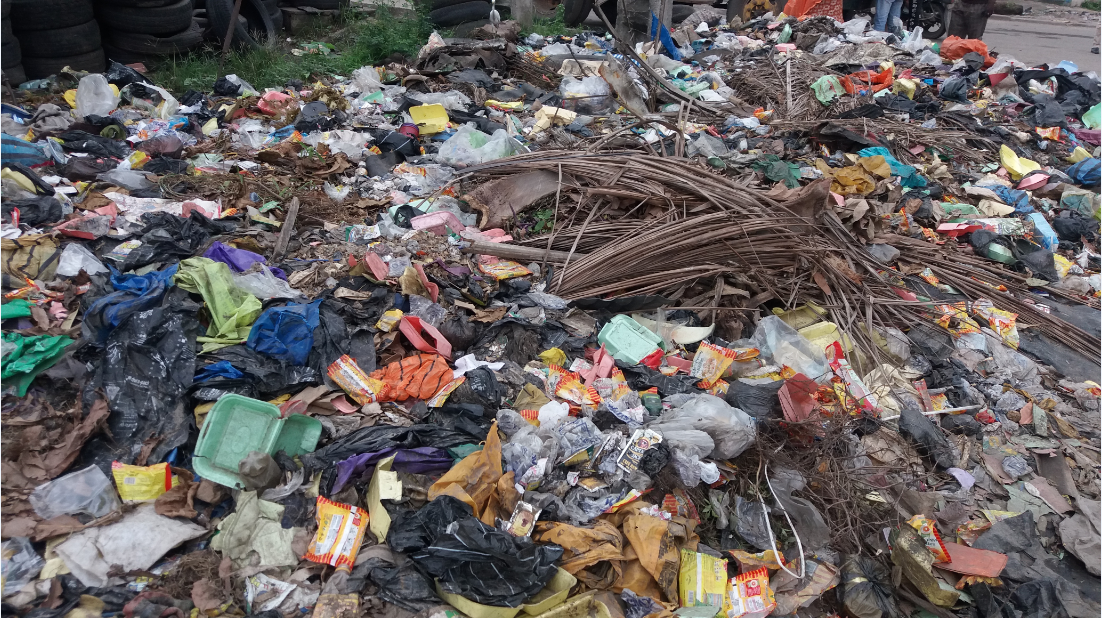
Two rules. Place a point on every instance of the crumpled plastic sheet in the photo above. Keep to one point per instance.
(254, 528)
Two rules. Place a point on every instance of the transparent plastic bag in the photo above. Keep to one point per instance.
(265, 285)
(86, 491)
(912, 41)
(730, 429)
(366, 79)
(453, 99)
(590, 95)
(469, 146)
(77, 257)
(337, 194)
(127, 179)
(781, 344)
(20, 564)
(428, 311)
(856, 25)
(95, 96)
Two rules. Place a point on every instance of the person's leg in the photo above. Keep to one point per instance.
(979, 23)
(893, 15)
(883, 7)
(734, 8)
(958, 23)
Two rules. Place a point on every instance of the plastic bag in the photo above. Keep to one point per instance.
(20, 564)
(913, 42)
(95, 97)
(780, 344)
(588, 95)
(366, 80)
(469, 146)
(336, 193)
(855, 26)
(264, 285)
(731, 429)
(750, 522)
(86, 491)
(75, 258)
(827, 88)
(127, 179)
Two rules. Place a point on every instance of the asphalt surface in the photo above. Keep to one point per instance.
(1032, 40)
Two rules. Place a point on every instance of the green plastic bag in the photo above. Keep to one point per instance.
(827, 88)
(26, 357)
(232, 310)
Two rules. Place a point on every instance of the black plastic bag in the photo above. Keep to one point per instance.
(866, 589)
(41, 187)
(330, 341)
(1039, 599)
(164, 165)
(1074, 228)
(467, 418)
(223, 87)
(122, 75)
(481, 388)
(148, 363)
(641, 377)
(33, 212)
(469, 558)
(270, 377)
(757, 400)
(1038, 260)
(86, 168)
(415, 530)
(961, 424)
(315, 116)
(403, 586)
(382, 164)
(926, 436)
(459, 331)
(955, 89)
(82, 141)
(379, 437)
(166, 237)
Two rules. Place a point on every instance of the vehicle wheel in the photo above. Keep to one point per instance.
(175, 17)
(37, 68)
(122, 56)
(576, 11)
(137, 4)
(152, 45)
(10, 54)
(5, 8)
(36, 15)
(681, 12)
(62, 42)
(256, 21)
(15, 75)
(5, 30)
(935, 23)
(459, 13)
(464, 29)
(321, 5)
(609, 8)
(200, 4)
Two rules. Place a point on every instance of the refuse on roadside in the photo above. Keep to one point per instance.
(710, 325)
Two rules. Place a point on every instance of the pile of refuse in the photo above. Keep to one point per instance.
(768, 318)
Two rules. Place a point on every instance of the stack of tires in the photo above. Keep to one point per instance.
(463, 15)
(258, 20)
(143, 30)
(11, 60)
(321, 5)
(54, 34)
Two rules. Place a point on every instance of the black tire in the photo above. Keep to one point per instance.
(15, 75)
(5, 8)
(170, 19)
(61, 43)
(321, 5)
(681, 12)
(5, 31)
(152, 45)
(10, 54)
(439, 4)
(202, 22)
(124, 57)
(257, 21)
(275, 13)
(38, 68)
(36, 15)
(575, 12)
(137, 4)
(464, 29)
(459, 13)
(200, 4)
(936, 29)
(609, 7)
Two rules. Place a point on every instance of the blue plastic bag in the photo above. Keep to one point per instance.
(1011, 197)
(221, 369)
(133, 293)
(1045, 234)
(908, 175)
(286, 333)
(1086, 172)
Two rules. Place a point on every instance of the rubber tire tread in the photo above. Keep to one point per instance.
(681, 12)
(16, 75)
(153, 45)
(160, 21)
(440, 4)
(122, 56)
(460, 13)
(5, 9)
(38, 68)
(63, 42)
(38, 15)
(575, 12)
(10, 54)
(136, 4)
(218, 12)
(275, 13)
(321, 5)
(5, 31)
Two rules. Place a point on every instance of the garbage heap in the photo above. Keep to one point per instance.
(777, 318)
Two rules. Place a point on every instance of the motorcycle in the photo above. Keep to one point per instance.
(932, 15)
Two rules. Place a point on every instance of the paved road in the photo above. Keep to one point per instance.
(1032, 40)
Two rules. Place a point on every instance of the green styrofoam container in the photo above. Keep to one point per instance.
(627, 340)
(238, 425)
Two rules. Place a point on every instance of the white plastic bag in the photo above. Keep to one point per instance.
(913, 42)
(95, 96)
(469, 146)
(590, 94)
(338, 193)
(76, 258)
(264, 285)
(781, 344)
(366, 79)
(855, 26)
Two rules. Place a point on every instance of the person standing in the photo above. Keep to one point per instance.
(887, 11)
(969, 18)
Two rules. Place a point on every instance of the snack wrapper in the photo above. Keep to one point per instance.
(1001, 321)
(348, 375)
(930, 536)
(751, 596)
(702, 580)
(141, 483)
(710, 362)
(389, 320)
(341, 530)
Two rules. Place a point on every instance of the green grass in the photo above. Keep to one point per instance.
(552, 26)
(359, 40)
(1093, 5)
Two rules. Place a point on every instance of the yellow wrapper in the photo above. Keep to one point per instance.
(348, 375)
(702, 580)
(138, 483)
(340, 531)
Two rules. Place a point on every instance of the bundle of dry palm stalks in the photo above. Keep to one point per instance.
(675, 225)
